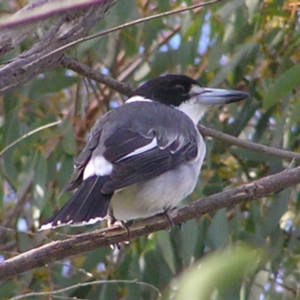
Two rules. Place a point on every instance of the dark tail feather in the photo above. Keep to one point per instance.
(87, 206)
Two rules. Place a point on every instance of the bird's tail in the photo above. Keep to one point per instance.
(87, 206)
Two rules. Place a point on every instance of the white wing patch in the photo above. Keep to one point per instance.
(97, 165)
(143, 149)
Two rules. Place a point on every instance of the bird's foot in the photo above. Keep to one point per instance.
(122, 224)
(170, 219)
(165, 213)
(113, 222)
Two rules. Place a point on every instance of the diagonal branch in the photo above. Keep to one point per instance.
(46, 54)
(84, 70)
(78, 244)
(11, 37)
(40, 10)
(247, 144)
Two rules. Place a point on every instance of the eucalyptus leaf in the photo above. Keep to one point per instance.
(282, 86)
(215, 272)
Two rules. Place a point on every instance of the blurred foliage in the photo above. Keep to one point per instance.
(250, 45)
(217, 274)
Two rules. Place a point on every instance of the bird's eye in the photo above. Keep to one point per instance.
(179, 88)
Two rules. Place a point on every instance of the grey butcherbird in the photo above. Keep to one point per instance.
(144, 157)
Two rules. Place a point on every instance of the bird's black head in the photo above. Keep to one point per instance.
(186, 94)
(168, 89)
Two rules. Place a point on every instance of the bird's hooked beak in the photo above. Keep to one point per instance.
(213, 97)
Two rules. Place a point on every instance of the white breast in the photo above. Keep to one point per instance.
(161, 193)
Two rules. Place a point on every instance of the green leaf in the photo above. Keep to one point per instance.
(217, 234)
(252, 7)
(250, 155)
(189, 240)
(40, 181)
(51, 85)
(167, 250)
(69, 142)
(282, 87)
(229, 8)
(276, 210)
(216, 272)
(242, 55)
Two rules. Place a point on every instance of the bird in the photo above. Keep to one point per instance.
(144, 157)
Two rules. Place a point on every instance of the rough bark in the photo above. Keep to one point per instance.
(46, 54)
(78, 244)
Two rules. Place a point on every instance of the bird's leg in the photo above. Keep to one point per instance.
(165, 213)
(112, 221)
(170, 220)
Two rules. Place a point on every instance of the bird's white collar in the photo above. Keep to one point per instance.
(138, 99)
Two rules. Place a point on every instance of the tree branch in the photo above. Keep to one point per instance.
(46, 54)
(127, 90)
(11, 37)
(248, 145)
(78, 244)
(81, 284)
(40, 10)
(84, 70)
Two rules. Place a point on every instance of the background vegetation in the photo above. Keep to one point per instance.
(249, 251)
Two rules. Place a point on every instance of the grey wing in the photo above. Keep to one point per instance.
(150, 157)
(139, 150)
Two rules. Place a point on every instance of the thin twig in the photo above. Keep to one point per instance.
(112, 83)
(248, 145)
(95, 75)
(28, 134)
(21, 199)
(137, 60)
(44, 11)
(123, 26)
(81, 284)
